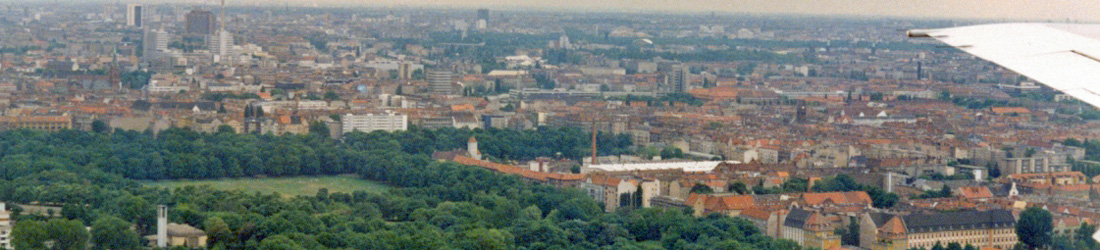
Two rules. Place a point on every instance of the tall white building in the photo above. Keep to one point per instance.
(133, 15)
(221, 44)
(372, 122)
(162, 226)
(5, 227)
(678, 79)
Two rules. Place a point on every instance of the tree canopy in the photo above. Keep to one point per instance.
(1034, 227)
(430, 204)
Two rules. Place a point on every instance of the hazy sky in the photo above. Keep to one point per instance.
(1043, 10)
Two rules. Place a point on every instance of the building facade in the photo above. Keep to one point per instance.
(155, 42)
(993, 228)
(221, 44)
(373, 122)
(5, 227)
(809, 229)
(201, 22)
(48, 123)
(133, 15)
(440, 82)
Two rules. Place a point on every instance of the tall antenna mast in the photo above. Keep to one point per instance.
(222, 19)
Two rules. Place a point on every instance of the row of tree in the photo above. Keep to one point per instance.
(180, 153)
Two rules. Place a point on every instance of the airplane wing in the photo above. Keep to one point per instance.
(1065, 57)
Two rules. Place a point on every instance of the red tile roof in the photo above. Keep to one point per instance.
(853, 197)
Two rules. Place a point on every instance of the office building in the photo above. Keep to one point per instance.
(155, 41)
(677, 79)
(133, 15)
(373, 122)
(201, 22)
(440, 81)
(221, 44)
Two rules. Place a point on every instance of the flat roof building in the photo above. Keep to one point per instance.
(372, 122)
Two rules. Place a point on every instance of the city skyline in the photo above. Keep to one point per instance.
(1010, 10)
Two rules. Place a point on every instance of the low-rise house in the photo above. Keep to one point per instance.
(978, 193)
(768, 221)
(608, 190)
(730, 205)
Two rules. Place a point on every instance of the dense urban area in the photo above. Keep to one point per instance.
(506, 129)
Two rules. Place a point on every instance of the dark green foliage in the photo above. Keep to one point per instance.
(29, 234)
(431, 205)
(699, 188)
(136, 79)
(1034, 227)
(737, 187)
(941, 177)
(544, 81)
(844, 183)
(1084, 236)
(219, 96)
(100, 126)
(944, 192)
(663, 100)
(671, 152)
(319, 128)
(114, 233)
(793, 185)
(850, 235)
(67, 234)
(938, 246)
(982, 103)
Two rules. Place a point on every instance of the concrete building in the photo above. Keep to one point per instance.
(809, 229)
(174, 234)
(155, 41)
(221, 45)
(162, 226)
(182, 235)
(1038, 164)
(48, 123)
(608, 190)
(677, 79)
(993, 228)
(5, 227)
(201, 22)
(371, 122)
(134, 15)
(440, 81)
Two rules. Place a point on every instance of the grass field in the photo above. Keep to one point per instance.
(285, 186)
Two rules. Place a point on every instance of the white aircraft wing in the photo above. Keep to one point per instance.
(1065, 57)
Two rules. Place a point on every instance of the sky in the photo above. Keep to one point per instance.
(1033, 10)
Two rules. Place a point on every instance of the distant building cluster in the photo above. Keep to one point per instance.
(736, 116)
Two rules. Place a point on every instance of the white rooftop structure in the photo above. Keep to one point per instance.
(686, 166)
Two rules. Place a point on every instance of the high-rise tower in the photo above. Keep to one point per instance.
(133, 15)
(201, 22)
